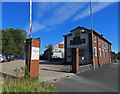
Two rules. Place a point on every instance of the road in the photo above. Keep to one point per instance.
(104, 79)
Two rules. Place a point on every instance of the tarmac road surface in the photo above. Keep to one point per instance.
(104, 79)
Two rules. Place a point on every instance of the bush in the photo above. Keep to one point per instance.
(26, 85)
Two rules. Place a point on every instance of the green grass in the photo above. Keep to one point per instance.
(26, 85)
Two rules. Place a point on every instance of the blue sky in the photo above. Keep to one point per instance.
(53, 20)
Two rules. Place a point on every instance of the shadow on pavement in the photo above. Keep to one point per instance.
(51, 63)
(54, 70)
(5, 75)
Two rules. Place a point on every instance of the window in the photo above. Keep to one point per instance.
(100, 54)
(83, 41)
(103, 53)
(76, 40)
(99, 42)
(95, 51)
(77, 34)
(71, 42)
(94, 38)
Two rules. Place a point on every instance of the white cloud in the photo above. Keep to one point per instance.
(63, 13)
(43, 8)
(53, 14)
(50, 29)
(35, 27)
(95, 6)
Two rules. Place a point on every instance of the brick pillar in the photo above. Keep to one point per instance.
(75, 60)
(32, 56)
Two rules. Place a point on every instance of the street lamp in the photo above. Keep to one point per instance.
(91, 23)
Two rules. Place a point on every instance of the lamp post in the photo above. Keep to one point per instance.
(30, 18)
(91, 23)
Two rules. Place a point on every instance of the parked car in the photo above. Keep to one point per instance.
(21, 57)
(1, 58)
(4, 58)
(8, 57)
(12, 58)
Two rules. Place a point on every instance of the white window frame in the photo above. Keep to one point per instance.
(95, 51)
(100, 53)
(103, 52)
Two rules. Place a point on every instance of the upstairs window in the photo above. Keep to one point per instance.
(77, 34)
(83, 41)
(94, 38)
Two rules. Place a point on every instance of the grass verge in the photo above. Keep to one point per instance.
(26, 85)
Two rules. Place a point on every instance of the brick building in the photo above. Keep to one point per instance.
(58, 50)
(97, 51)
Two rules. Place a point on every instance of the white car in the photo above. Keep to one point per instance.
(1, 58)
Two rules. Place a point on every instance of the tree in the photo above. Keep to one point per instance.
(49, 51)
(8, 43)
(13, 41)
(113, 56)
(49, 48)
(19, 36)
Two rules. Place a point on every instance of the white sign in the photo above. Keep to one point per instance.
(35, 53)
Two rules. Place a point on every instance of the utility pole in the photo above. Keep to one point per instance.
(30, 18)
(91, 23)
(32, 52)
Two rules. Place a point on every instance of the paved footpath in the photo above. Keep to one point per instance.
(47, 70)
(104, 79)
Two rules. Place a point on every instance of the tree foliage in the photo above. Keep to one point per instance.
(49, 48)
(113, 56)
(13, 41)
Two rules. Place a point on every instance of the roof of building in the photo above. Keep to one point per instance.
(61, 42)
(89, 31)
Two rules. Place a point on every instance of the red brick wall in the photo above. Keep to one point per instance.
(61, 45)
(105, 53)
(34, 64)
(75, 60)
